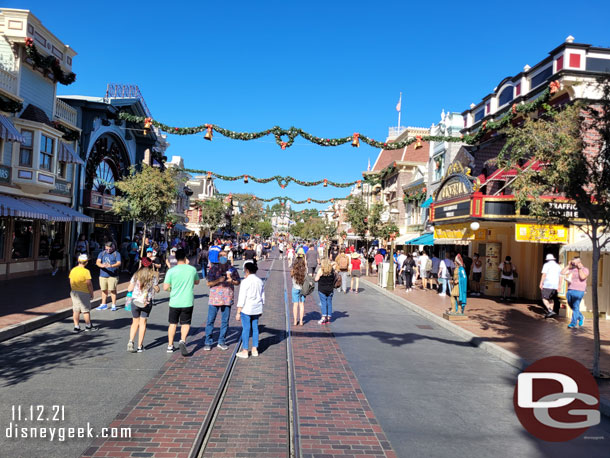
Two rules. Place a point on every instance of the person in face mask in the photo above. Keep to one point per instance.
(222, 279)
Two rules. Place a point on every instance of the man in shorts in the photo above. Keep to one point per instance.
(109, 262)
(549, 284)
(81, 293)
(424, 269)
(180, 281)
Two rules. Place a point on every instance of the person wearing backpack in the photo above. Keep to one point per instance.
(406, 271)
(342, 261)
(325, 277)
(507, 280)
(297, 273)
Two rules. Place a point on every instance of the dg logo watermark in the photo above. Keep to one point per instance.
(556, 399)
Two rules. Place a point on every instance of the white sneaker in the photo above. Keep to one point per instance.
(442, 294)
(322, 320)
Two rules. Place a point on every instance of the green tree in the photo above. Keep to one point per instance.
(146, 196)
(374, 221)
(357, 216)
(263, 228)
(251, 213)
(212, 214)
(569, 154)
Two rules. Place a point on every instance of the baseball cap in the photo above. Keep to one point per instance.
(83, 257)
(300, 252)
(149, 250)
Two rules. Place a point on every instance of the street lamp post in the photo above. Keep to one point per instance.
(392, 269)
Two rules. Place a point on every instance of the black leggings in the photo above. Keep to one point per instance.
(408, 277)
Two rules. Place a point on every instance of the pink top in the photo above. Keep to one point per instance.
(577, 284)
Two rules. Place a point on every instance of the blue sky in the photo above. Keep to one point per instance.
(330, 68)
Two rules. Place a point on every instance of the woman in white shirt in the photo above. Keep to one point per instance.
(250, 308)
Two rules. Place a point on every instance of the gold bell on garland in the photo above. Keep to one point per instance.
(325, 182)
(147, 124)
(418, 142)
(358, 184)
(309, 200)
(356, 140)
(209, 175)
(245, 178)
(208, 135)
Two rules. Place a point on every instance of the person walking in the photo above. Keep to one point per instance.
(290, 254)
(325, 277)
(406, 271)
(143, 285)
(297, 273)
(549, 284)
(222, 279)
(425, 266)
(313, 260)
(507, 278)
(444, 275)
(81, 247)
(250, 303)
(435, 264)
(459, 289)
(109, 262)
(477, 270)
(180, 281)
(576, 275)
(56, 254)
(343, 261)
(354, 270)
(81, 294)
(379, 266)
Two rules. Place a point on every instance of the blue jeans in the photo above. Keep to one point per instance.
(249, 322)
(574, 297)
(225, 310)
(326, 304)
(443, 283)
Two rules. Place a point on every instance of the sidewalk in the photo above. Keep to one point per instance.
(32, 302)
(520, 328)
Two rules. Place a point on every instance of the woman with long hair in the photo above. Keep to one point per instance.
(143, 285)
(326, 285)
(297, 273)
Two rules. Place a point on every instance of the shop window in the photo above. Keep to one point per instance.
(7, 156)
(439, 166)
(23, 239)
(506, 96)
(3, 235)
(62, 170)
(479, 115)
(45, 240)
(26, 151)
(46, 152)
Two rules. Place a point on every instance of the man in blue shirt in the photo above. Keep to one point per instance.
(109, 262)
(213, 253)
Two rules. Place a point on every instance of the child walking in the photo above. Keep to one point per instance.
(143, 285)
(250, 308)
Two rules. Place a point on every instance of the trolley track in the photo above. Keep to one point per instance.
(279, 395)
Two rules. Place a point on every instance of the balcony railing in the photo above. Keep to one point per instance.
(8, 81)
(65, 112)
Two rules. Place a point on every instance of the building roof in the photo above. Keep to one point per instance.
(33, 113)
(409, 153)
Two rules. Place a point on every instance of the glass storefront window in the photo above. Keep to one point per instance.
(23, 239)
(46, 152)
(3, 235)
(25, 153)
(45, 241)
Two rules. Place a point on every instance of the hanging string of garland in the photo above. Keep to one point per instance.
(282, 181)
(285, 137)
(48, 64)
(283, 199)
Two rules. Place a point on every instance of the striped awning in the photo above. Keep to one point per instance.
(73, 214)
(9, 132)
(11, 206)
(49, 213)
(68, 155)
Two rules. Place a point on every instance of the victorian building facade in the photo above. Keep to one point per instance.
(39, 147)
(474, 209)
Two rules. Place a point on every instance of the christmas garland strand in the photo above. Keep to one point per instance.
(48, 64)
(285, 137)
(282, 181)
(284, 199)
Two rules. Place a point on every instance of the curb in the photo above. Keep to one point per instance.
(19, 329)
(493, 349)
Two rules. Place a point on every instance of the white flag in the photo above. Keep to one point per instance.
(399, 103)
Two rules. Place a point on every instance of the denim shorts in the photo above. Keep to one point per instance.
(297, 296)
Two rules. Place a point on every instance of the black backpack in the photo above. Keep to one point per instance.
(308, 285)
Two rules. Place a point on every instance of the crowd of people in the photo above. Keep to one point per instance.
(328, 266)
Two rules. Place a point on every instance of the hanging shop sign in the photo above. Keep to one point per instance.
(5, 174)
(539, 233)
(457, 232)
(493, 251)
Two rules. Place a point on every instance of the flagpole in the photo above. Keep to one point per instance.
(400, 104)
